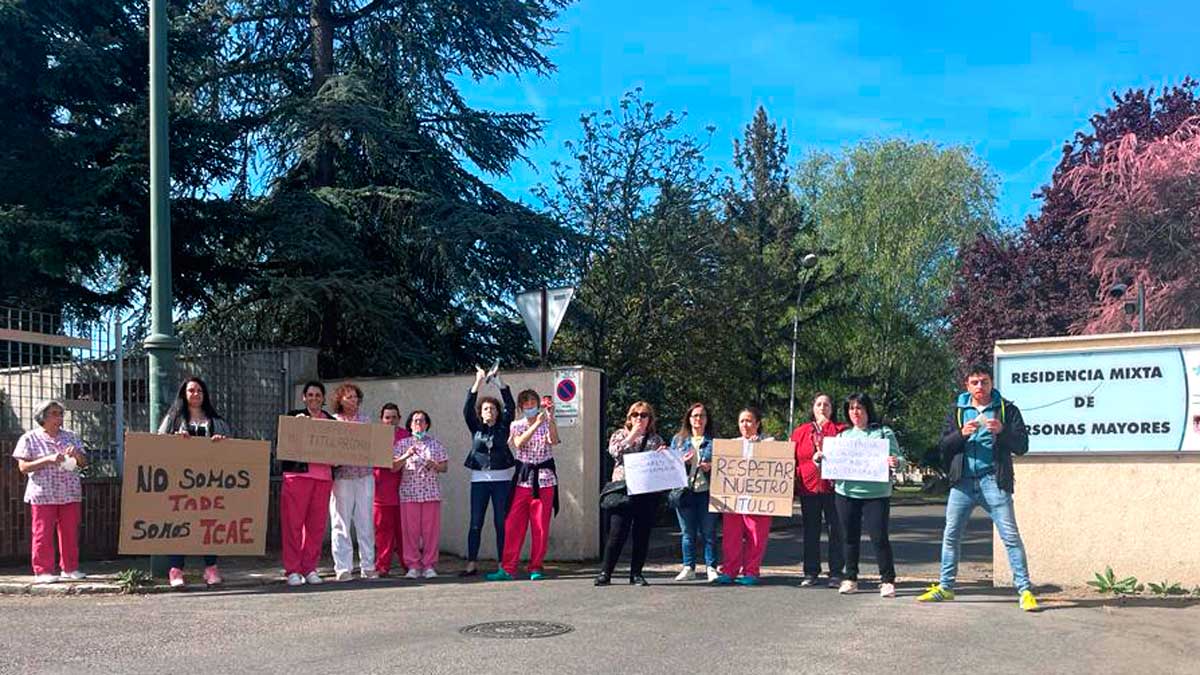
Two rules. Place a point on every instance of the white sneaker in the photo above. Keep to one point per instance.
(370, 574)
(73, 576)
(46, 579)
(313, 578)
(887, 590)
(294, 579)
(413, 573)
(686, 574)
(848, 587)
(712, 574)
(346, 575)
(430, 573)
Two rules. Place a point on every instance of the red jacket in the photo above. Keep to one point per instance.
(808, 474)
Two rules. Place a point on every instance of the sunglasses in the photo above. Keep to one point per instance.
(643, 415)
(697, 416)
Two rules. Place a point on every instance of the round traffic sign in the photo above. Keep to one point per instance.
(565, 390)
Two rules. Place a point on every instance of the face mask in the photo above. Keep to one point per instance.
(529, 413)
(418, 435)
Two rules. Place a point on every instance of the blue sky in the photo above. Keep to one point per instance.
(1010, 80)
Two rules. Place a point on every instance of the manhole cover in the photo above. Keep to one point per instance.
(516, 630)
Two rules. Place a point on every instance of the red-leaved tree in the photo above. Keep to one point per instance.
(1142, 208)
(1043, 280)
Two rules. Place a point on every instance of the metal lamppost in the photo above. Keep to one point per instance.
(161, 345)
(1134, 308)
(807, 263)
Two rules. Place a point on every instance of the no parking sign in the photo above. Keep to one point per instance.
(566, 394)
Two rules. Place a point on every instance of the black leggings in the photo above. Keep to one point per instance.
(638, 515)
(873, 513)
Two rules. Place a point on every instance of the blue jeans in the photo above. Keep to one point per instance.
(965, 495)
(497, 491)
(695, 522)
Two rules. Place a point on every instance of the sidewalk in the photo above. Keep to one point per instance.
(915, 535)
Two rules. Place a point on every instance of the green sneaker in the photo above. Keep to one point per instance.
(499, 575)
(536, 576)
(936, 593)
(1028, 602)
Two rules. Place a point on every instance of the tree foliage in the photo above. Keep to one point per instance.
(1040, 280)
(895, 214)
(1142, 204)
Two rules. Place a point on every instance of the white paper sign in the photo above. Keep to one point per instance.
(653, 472)
(855, 459)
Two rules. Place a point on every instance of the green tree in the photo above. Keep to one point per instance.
(896, 213)
(371, 237)
(639, 191)
(767, 233)
(74, 196)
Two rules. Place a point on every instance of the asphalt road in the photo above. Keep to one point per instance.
(391, 626)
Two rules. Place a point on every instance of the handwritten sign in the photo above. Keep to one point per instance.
(752, 478)
(331, 442)
(855, 459)
(186, 495)
(653, 472)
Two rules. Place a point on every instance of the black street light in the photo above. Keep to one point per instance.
(807, 263)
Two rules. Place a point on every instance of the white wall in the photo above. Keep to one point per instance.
(574, 533)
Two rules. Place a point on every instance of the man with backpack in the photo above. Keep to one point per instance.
(983, 431)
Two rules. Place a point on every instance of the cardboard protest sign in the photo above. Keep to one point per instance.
(305, 439)
(188, 495)
(855, 459)
(653, 472)
(752, 478)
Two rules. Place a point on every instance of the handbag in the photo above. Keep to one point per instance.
(614, 495)
(696, 482)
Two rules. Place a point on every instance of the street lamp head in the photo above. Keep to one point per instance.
(1117, 291)
(809, 261)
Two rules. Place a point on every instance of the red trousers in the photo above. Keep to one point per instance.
(389, 536)
(56, 521)
(743, 543)
(526, 513)
(304, 511)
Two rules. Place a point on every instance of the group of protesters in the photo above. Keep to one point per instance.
(395, 512)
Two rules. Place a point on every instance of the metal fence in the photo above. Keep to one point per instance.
(99, 371)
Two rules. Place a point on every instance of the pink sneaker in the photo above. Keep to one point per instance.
(212, 576)
(175, 577)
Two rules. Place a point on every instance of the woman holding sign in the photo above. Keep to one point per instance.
(353, 496)
(694, 443)
(304, 501)
(817, 500)
(421, 458)
(745, 536)
(639, 434)
(49, 456)
(867, 503)
(534, 488)
(193, 414)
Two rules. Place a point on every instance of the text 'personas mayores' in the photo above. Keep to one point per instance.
(1099, 428)
(1086, 375)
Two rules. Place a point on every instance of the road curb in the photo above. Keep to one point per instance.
(69, 589)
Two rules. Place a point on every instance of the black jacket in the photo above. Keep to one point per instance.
(289, 466)
(489, 445)
(1013, 440)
